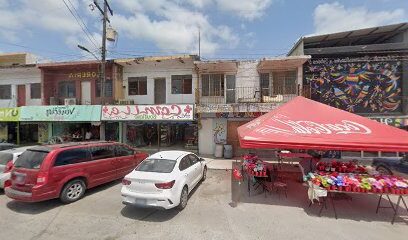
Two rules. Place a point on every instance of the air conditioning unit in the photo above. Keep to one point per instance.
(70, 101)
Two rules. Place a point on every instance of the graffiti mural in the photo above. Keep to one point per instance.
(359, 85)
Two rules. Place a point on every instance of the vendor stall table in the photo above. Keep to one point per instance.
(257, 181)
(394, 208)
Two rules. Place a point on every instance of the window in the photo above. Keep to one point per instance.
(102, 152)
(389, 154)
(181, 84)
(30, 159)
(72, 156)
(212, 84)
(264, 79)
(351, 154)
(370, 154)
(35, 90)
(5, 91)
(194, 159)
(184, 163)
(67, 89)
(156, 165)
(108, 88)
(285, 82)
(137, 86)
(123, 151)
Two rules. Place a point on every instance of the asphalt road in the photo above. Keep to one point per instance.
(209, 215)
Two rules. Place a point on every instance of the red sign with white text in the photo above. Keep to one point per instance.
(171, 112)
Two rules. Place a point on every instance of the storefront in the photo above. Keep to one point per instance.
(70, 123)
(9, 118)
(152, 126)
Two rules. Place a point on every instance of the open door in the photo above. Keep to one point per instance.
(21, 95)
(159, 90)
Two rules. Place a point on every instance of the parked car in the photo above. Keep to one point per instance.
(164, 180)
(5, 146)
(65, 171)
(392, 166)
(7, 160)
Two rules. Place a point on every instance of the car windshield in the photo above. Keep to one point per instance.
(30, 159)
(5, 158)
(156, 165)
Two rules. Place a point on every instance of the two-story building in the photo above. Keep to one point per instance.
(362, 71)
(158, 110)
(232, 93)
(20, 85)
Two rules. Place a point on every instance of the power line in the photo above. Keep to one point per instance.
(82, 27)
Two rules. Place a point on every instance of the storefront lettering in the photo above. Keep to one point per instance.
(82, 75)
(7, 113)
(148, 112)
(311, 128)
(60, 111)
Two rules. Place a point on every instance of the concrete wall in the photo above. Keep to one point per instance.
(164, 69)
(206, 143)
(19, 76)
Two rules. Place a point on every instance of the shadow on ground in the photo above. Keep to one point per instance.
(40, 207)
(357, 207)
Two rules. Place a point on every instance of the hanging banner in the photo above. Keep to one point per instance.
(9, 114)
(183, 112)
(68, 113)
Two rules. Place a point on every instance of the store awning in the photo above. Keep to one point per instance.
(305, 124)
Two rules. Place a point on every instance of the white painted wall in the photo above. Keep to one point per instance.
(163, 69)
(206, 143)
(19, 76)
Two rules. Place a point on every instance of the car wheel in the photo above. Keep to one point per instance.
(73, 191)
(183, 199)
(204, 174)
(384, 170)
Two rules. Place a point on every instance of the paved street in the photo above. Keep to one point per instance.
(101, 215)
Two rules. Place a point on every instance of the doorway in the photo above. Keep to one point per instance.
(85, 92)
(159, 90)
(21, 95)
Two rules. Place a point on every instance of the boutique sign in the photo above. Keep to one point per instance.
(69, 113)
(148, 112)
(9, 114)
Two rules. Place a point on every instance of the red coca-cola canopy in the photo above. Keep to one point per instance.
(305, 124)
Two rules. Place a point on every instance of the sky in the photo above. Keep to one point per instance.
(229, 29)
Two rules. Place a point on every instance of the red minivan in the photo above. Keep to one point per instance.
(65, 171)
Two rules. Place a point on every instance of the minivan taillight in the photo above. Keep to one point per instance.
(126, 182)
(166, 185)
(42, 178)
(8, 167)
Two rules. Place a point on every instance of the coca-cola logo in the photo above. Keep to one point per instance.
(290, 127)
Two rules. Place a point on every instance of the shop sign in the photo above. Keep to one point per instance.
(68, 113)
(88, 74)
(148, 112)
(9, 114)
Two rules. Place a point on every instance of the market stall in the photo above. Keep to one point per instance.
(306, 124)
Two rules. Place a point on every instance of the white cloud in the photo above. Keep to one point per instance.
(247, 9)
(174, 28)
(335, 17)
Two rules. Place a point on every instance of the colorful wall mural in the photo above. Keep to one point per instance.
(359, 85)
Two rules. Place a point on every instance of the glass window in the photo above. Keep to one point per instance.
(370, 154)
(350, 154)
(108, 88)
(67, 89)
(156, 165)
(181, 84)
(184, 163)
(30, 159)
(102, 152)
(137, 86)
(264, 77)
(194, 159)
(284, 82)
(212, 85)
(5, 158)
(5, 91)
(72, 156)
(35, 90)
(388, 154)
(123, 151)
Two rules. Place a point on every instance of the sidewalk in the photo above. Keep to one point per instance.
(219, 163)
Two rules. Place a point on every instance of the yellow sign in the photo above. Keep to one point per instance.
(83, 75)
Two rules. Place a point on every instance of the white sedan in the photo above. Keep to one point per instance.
(164, 180)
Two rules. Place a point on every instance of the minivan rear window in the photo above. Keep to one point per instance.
(30, 159)
(5, 158)
(156, 165)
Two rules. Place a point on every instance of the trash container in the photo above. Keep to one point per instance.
(228, 151)
(218, 150)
